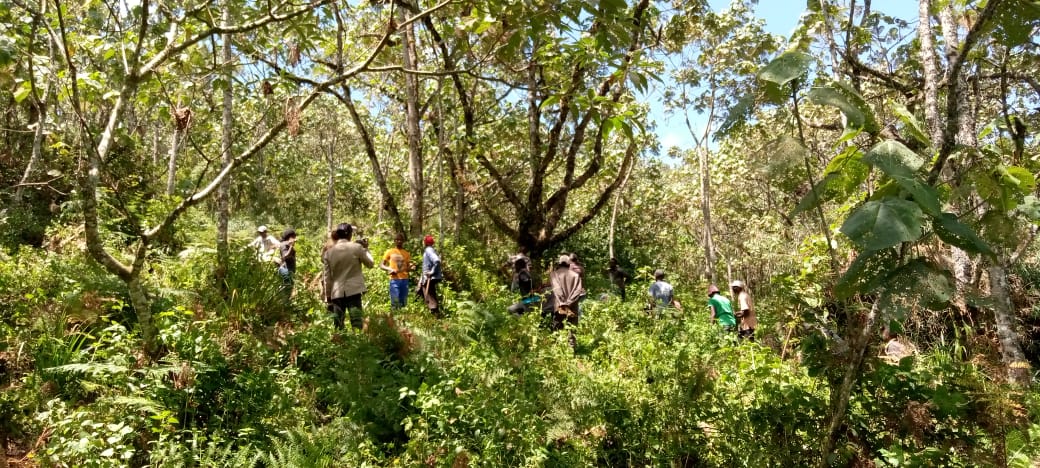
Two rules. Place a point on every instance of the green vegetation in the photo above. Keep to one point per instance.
(872, 178)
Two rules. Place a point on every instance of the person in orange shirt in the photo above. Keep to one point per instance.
(397, 262)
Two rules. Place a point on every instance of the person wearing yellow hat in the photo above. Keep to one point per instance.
(745, 311)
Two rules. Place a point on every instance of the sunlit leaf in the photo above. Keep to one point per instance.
(900, 163)
(785, 68)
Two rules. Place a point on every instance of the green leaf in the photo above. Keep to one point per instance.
(865, 273)
(737, 115)
(911, 124)
(857, 113)
(785, 68)
(922, 281)
(877, 225)
(891, 149)
(958, 234)
(1030, 208)
(840, 179)
(816, 196)
(1019, 178)
(22, 92)
(900, 163)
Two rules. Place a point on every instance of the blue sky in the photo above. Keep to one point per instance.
(781, 18)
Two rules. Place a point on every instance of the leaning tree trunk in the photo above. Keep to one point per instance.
(224, 191)
(415, 158)
(840, 396)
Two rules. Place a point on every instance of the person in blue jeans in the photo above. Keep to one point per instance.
(397, 262)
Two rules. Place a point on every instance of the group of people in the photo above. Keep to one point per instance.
(722, 310)
(344, 283)
(343, 279)
(567, 289)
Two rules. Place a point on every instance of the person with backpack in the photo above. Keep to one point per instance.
(344, 280)
(566, 291)
(746, 311)
(431, 277)
(721, 310)
(396, 262)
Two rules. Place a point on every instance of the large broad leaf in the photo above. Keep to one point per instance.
(840, 179)
(956, 233)
(857, 113)
(884, 223)
(788, 66)
(1002, 186)
(866, 273)
(737, 116)
(900, 163)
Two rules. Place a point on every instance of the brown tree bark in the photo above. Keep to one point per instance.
(416, 186)
(227, 124)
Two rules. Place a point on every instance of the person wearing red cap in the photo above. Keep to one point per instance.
(431, 277)
(721, 309)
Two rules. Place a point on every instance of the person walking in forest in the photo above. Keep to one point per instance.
(618, 276)
(566, 291)
(524, 285)
(579, 269)
(344, 281)
(721, 310)
(287, 251)
(431, 277)
(661, 292)
(397, 262)
(745, 311)
(265, 245)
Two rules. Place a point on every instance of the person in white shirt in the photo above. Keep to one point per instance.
(265, 245)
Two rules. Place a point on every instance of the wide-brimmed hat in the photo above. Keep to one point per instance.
(737, 284)
(261, 229)
(712, 290)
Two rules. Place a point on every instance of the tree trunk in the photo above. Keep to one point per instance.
(41, 116)
(613, 214)
(709, 244)
(224, 191)
(330, 200)
(1004, 316)
(171, 162)
(415, 157)
(840, 396)
(143, 306)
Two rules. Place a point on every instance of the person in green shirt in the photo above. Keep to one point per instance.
(721, 310)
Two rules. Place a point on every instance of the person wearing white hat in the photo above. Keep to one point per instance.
(745, 311)
(265, 245)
